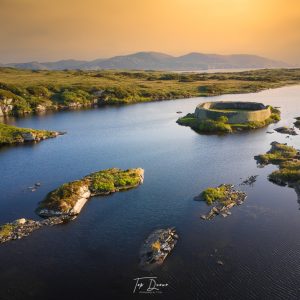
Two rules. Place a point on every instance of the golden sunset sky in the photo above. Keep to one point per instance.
(47, 30)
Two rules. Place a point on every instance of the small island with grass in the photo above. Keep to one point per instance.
(224, 197)
(287, 158)
(15, 135)
(227, 117)
(69, 198)
(65, 203)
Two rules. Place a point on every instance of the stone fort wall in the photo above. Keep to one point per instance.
(242, 112)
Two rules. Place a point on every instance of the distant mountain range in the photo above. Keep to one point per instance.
(158, 61)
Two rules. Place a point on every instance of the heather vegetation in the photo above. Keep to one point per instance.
(26, 91)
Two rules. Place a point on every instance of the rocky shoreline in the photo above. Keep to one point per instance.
(24, 227)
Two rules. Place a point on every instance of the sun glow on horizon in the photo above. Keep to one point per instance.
(61, 29)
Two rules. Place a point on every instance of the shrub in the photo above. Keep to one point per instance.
(211, 195)
(6, 230)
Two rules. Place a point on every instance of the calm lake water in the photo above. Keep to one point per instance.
(96, 256)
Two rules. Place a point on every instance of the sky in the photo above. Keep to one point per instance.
(43, 30)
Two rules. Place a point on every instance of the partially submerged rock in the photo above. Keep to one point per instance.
(297, 122)
(286, 130)
(157, 247)
(250, 180)
(69, 198)
(224, 197)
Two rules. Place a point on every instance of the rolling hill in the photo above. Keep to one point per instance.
(159, 61)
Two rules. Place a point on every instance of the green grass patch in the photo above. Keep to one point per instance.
(114, 179)
(211, 194)
(6, 230)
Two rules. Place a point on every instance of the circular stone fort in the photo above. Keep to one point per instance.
(236, 112)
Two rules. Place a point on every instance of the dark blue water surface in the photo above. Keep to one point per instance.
(96, 255)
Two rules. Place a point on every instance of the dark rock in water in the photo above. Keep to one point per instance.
(286, 130)
(179, 112)
(250, 180)
(157, 247)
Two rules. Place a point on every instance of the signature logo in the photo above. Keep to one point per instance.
(148, 285)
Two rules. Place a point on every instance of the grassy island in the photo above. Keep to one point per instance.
(69, 198)
(15, 135)
(221, 125)
(26, 91)
(64, 203)
(223, 197)
(287, 158)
